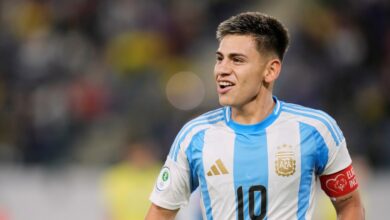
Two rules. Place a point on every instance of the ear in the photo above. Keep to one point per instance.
(272, 70)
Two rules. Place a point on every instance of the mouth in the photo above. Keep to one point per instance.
(224, 86)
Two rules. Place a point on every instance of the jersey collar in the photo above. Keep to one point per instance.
(253, 128)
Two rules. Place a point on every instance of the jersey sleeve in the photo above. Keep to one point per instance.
(332, 152)
(338, 158)
(334, 164)
(173, 186)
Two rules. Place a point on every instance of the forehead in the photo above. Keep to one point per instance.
(242, 44)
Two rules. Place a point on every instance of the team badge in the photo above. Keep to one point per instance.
(285, 162)
(164, 179)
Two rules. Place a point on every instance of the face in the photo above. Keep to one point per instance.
(239, 71)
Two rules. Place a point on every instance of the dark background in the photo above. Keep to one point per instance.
(80, 79)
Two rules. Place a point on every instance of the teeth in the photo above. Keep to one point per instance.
(225, 83)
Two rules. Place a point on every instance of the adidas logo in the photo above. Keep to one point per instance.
(217, 169)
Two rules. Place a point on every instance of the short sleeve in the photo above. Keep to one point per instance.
(339, 159)
(173, 185)
(179, 177)
(172, 188)
(334, 150)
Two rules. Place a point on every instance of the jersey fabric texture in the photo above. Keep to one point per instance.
(267, 170)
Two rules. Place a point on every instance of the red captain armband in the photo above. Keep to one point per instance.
(340, 183)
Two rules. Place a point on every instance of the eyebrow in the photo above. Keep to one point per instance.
(230, 55)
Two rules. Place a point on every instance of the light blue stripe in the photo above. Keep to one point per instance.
(199, 143)
(206, 116)
(327, 117)
(250, 167)
(200, 123)
(194, 154)
(335, 138)
(322, 153)
(308, 157)
(227, 114)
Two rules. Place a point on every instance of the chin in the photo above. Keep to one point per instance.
(225, 102)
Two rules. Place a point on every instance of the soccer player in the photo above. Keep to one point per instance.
(257, 157)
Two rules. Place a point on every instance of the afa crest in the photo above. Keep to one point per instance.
(285, 162)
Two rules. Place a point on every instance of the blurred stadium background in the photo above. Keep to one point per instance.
(85, 83)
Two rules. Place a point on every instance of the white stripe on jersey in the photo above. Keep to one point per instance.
(326, 120)
(310, 210)
(220, 145)
(279, 134)
(321, 128)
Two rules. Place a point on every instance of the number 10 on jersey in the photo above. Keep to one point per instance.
(251, 193)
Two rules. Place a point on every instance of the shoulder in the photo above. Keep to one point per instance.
(316, 118)
(194, 128)
(306, 112)
(205, 120)
(209, 116)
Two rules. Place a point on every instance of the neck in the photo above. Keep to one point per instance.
(255, 111)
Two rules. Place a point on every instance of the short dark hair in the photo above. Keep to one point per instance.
(269, 33)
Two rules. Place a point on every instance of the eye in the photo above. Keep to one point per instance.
(219, 58)
(237, 60)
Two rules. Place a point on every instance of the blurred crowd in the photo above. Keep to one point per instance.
(80, 78)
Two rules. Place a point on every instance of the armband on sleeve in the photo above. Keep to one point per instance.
(340, 183)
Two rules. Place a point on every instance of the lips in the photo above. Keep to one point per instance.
(224, 86)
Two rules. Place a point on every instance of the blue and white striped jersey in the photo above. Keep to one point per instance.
(261, 171)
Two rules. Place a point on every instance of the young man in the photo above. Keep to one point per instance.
(257, 157)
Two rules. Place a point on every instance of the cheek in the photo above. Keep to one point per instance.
(215, 71)
(253, 82)
(252, 74)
